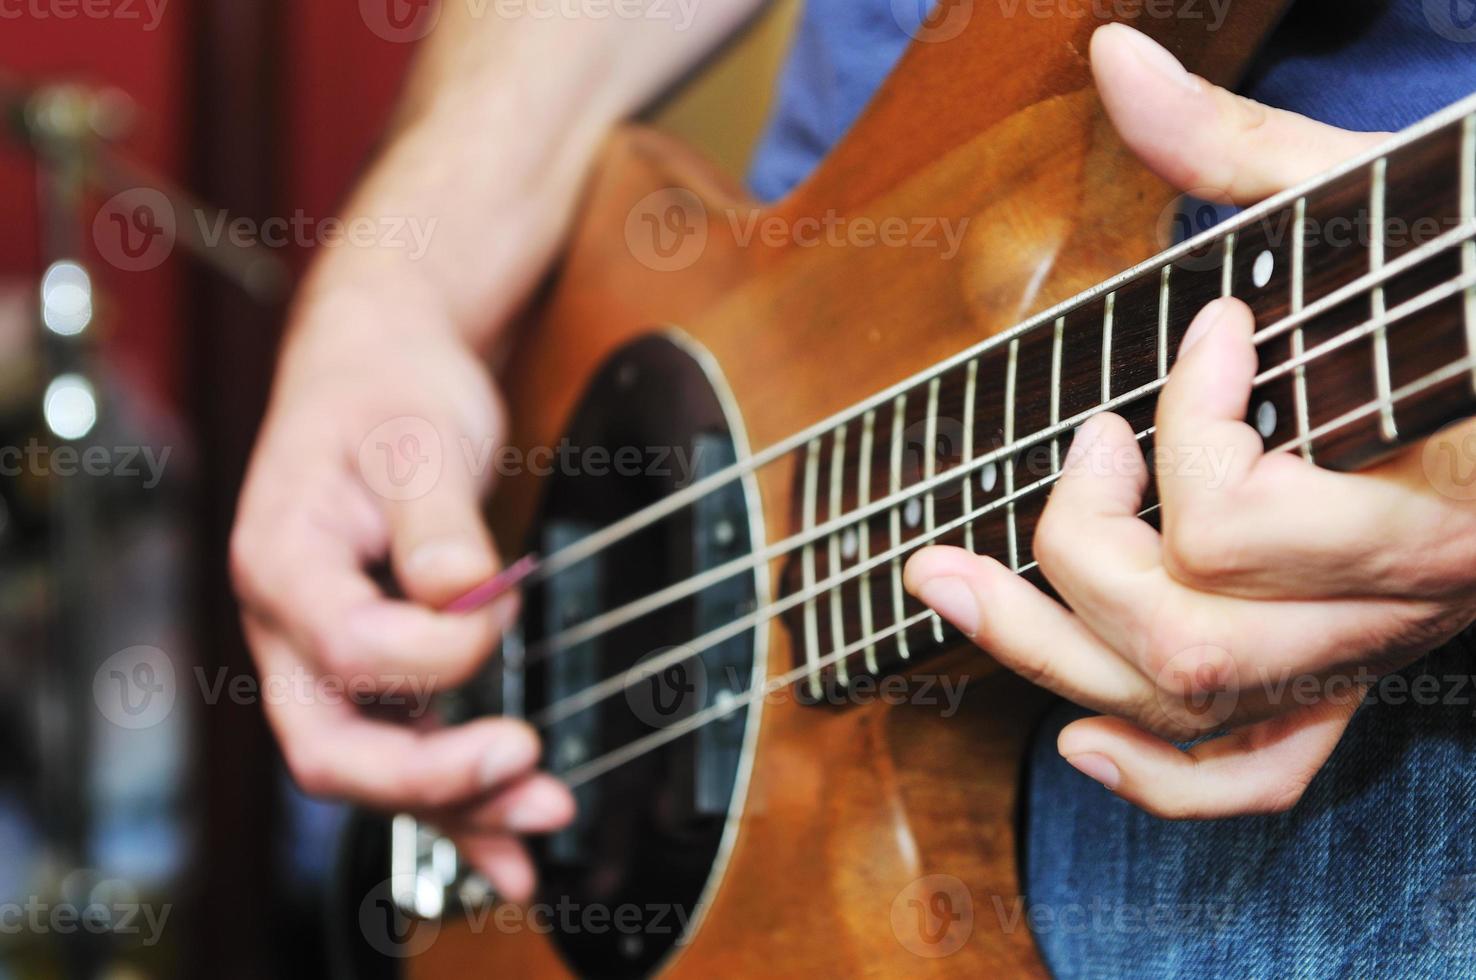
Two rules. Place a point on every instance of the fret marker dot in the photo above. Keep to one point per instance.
(1265, 265)
(912, 513)
(850, 544)
(1266, 419)
(988, 477)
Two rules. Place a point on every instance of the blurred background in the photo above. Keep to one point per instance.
(157, 835)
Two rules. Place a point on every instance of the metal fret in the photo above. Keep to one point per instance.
(904, 522)
(1011, 533)
(1057, 341)
(863, 497)
(812, 626)
(837, 501)
(930, 468)
(1381, 334)
(554, 564)
(1468, 213)
(899, 413)
(1227, 275)
(971, 389)
(1163, 324)
(1298, 341)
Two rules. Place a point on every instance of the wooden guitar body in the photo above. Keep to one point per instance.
(878, 839)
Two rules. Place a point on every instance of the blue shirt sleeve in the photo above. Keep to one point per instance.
(1358, 64)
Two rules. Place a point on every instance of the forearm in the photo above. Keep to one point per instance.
(499, 123)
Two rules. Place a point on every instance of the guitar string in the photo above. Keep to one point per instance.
(602, 764)
(587, 697)
(602, 539)
(573, 636)
(595, 693)
(580, 633)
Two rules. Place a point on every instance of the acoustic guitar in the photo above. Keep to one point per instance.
(737, 421)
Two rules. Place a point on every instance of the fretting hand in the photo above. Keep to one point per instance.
(1274, 574)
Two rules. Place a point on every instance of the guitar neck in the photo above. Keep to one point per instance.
(1363, 285)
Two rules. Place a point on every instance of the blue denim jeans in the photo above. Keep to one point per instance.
(1372, 874)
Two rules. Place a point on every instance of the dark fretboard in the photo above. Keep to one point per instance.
(1364, 291)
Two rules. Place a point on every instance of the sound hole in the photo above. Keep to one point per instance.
(624, 882)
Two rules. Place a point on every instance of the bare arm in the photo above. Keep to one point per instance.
(498, 126)
(382, 400)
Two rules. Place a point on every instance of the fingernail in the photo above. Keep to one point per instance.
(1098, 767)
(507, 757)
(526, 817)
(448, 558)
(1159, 60)
(1083, 439)
(952, 599)
(1208, 318)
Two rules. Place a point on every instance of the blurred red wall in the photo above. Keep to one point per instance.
(344, 80)
(145, 56)
(337, 85)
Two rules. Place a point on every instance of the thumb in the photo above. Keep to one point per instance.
(439, 543)
(1200, 137)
